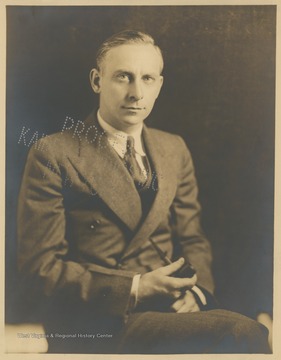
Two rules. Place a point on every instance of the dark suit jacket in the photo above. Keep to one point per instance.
(80, 228)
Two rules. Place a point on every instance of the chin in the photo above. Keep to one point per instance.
(132, 120)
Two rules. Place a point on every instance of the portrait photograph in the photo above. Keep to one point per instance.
(140, 179)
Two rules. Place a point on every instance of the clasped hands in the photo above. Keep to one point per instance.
(161, 283)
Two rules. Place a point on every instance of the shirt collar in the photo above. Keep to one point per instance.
(118, 139)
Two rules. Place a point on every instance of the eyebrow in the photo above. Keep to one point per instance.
(132, 74)
(122, 71)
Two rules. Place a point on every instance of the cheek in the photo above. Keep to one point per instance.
(116, 94)
(110, 88)
(150, 100)
(151, 95)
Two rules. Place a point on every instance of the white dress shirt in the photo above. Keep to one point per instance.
(118, 140)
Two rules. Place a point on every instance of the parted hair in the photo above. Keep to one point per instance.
(123, 38)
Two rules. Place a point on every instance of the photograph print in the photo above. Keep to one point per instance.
(140, 179)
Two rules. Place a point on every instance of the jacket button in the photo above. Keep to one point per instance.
(95, 223)
(105, 292)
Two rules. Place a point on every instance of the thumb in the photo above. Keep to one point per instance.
(173, 267)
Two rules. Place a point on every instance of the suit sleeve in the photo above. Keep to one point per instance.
(186, 219)
(43, 249)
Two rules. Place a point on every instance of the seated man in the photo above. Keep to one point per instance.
(108, 216)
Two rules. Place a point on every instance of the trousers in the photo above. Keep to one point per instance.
(207, 332)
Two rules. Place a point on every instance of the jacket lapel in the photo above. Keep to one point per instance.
(165, 191)
(105, 174)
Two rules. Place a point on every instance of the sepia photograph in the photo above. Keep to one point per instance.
(139, 179)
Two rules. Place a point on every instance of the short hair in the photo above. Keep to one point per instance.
(123, 38)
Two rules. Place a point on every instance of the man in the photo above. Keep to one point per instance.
(103, 208)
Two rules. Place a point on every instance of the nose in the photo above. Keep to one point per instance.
(135, 91)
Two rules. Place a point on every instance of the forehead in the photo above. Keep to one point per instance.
(133, 57)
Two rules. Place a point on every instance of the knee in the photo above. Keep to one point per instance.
(250, 336)
(246, 326)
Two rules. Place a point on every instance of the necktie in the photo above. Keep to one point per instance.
(132, 164)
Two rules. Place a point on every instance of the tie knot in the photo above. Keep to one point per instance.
(130, 143)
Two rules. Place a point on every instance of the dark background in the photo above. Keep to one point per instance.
(218, 94)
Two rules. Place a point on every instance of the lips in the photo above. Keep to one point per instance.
(133, 108)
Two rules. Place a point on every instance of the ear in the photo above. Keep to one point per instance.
(95, 80)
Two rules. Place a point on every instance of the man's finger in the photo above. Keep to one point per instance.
(177, 304)
(184, 283)
(173, 267)
(189, 305)
(176, 294)
(187, 308)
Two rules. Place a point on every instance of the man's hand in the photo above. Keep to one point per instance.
(186, 303)
(159, 282)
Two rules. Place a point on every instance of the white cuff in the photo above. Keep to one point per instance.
(134, 292)
(200, 295)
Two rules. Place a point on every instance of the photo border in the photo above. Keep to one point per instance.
(277, 207)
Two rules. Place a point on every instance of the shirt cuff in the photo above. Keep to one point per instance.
(134, 292)
(200, 295)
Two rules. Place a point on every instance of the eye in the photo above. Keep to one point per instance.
(148, 79)
(123, 77)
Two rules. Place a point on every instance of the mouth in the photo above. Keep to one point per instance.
(133, 108)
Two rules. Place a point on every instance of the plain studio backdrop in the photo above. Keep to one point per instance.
(218, 94)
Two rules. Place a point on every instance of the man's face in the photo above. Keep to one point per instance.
(128, 82)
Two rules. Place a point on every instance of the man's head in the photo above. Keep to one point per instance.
(127, 78)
